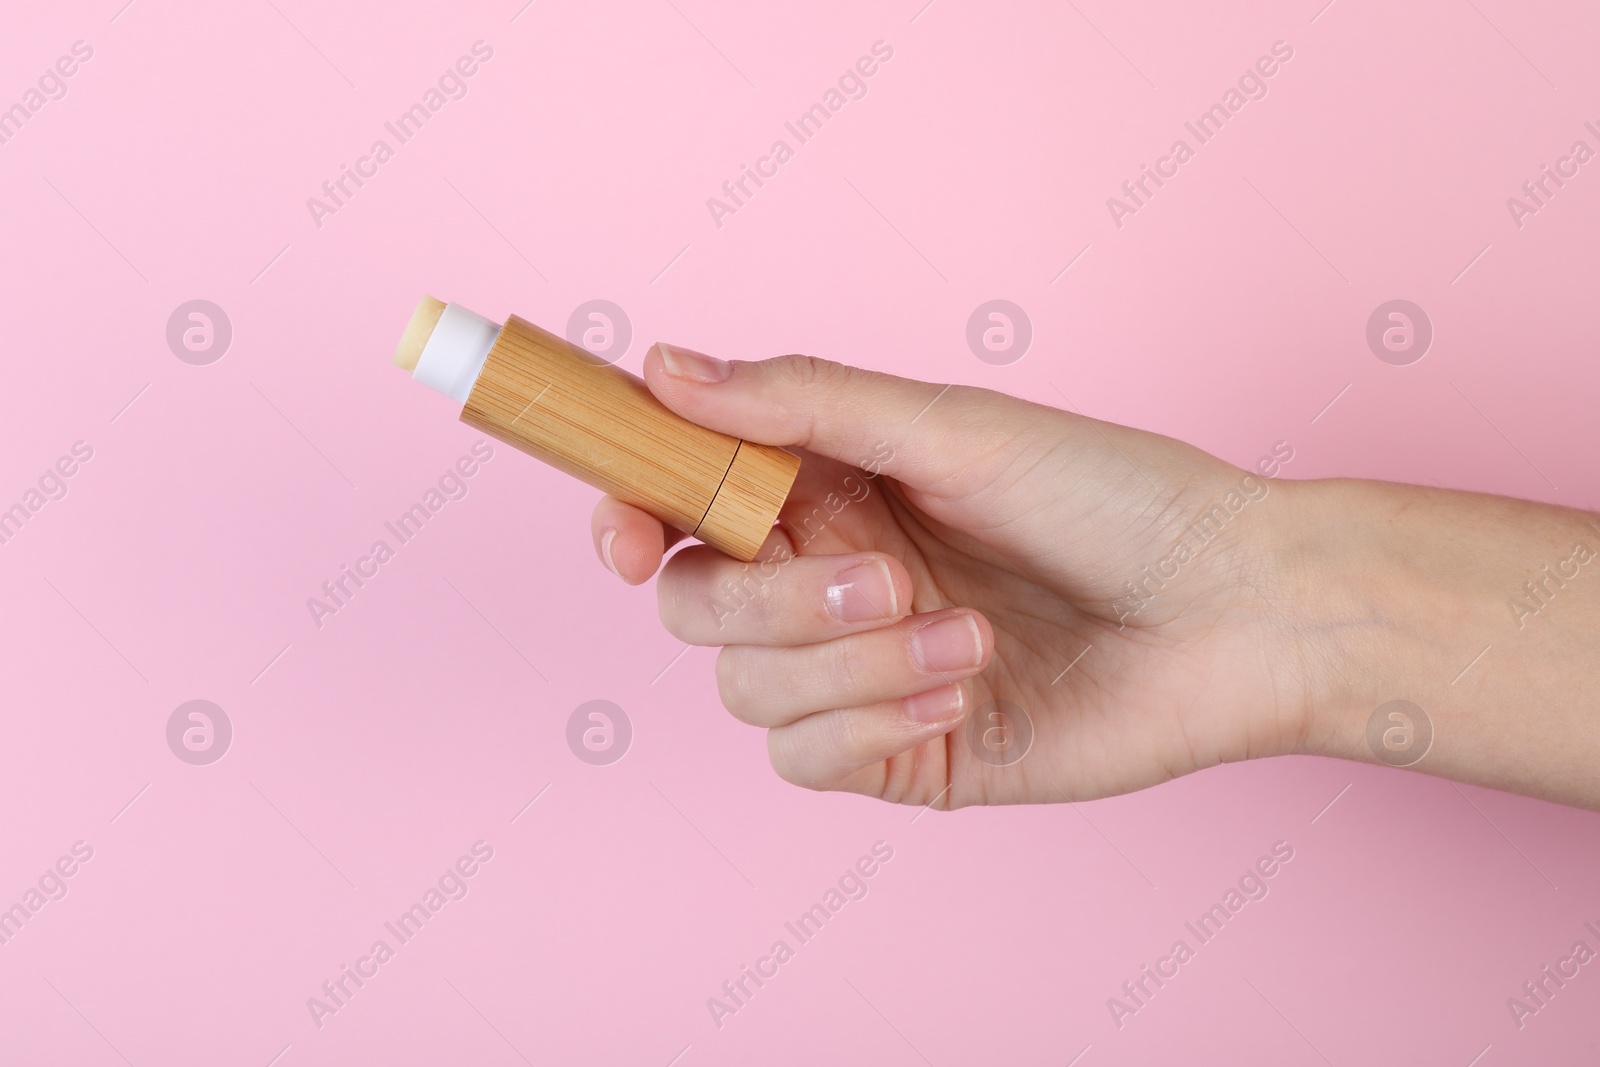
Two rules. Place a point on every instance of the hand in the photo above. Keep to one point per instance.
(950, 552)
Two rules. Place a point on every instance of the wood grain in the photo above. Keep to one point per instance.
(757, 483)
(561, 403)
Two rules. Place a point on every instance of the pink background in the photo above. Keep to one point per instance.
(370, 753)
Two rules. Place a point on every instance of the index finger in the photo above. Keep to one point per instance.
(629, 541)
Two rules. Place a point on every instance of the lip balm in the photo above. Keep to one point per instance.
(550, 398)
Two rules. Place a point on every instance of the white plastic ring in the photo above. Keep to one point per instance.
(455, 352)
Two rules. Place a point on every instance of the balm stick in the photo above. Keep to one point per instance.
(552, 399)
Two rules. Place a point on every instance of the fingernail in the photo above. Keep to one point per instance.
(862, 593)
(936, 705)
(693, 366)
(609, 535)
(952, 644)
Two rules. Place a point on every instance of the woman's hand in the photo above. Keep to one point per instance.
(974, 599)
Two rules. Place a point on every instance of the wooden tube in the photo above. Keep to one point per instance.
(561, 403)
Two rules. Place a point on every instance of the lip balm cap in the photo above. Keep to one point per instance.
(748, 501)
(445, 346)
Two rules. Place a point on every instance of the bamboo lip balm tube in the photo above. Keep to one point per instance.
(552, 399)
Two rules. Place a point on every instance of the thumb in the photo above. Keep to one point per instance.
(916, 432)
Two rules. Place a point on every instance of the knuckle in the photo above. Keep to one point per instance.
(743, 594)
(667, 607)
(704, 604)
(811, 371)
(792, 761)
(672, 606)
(848, 669)
(825, 380)
(736, 684)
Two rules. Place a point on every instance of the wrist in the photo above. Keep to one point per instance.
(1379, 617)
(1407, 593)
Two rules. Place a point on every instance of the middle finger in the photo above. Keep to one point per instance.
(706, 598)
(775, 686)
